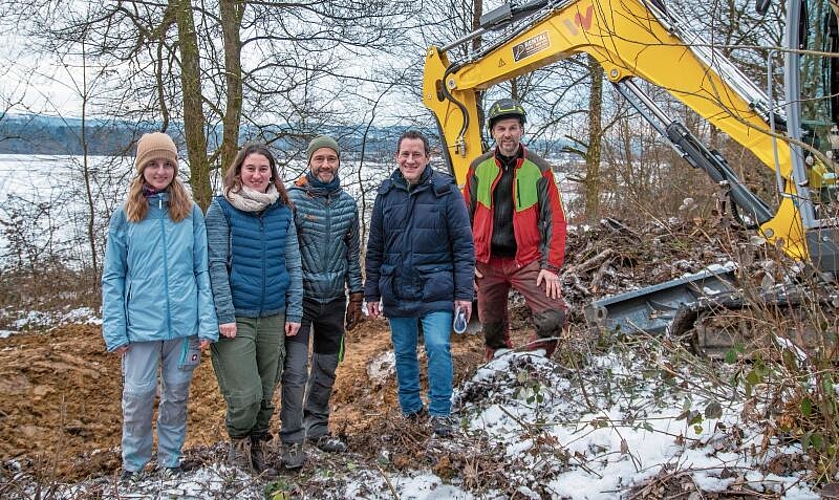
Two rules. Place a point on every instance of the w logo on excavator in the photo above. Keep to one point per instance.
(580, 20)
(584, 21)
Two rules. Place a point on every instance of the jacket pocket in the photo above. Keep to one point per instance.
(387, 285)
(437, 282)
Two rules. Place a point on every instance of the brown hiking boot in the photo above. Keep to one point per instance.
(240, 454)
(260, 450)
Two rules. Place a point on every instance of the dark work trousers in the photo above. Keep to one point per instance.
(307, 415)
(498, 276)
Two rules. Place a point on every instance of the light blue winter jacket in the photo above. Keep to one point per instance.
(155, 283)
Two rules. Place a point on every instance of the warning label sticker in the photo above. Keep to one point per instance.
(531, 46)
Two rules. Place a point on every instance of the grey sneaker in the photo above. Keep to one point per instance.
(293, 456)
(240, 454)
(441, 426)
(329, 444)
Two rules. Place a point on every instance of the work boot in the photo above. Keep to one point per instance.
(293, 456)
(329, 444)
(260, 449)
(240, 454)
(441, 426)
(496, 334)
(130, 476)
(548, 345)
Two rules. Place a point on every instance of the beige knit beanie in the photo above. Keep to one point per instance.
(155, 145)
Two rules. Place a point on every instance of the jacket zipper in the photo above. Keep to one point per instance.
(264, 243)
(166, 272)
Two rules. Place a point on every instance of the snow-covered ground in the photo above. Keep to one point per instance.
(634, 419)
(27, 320)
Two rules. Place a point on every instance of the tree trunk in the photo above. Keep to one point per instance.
(231, 12)
(194, 122)
(90, 201)
(592, 196)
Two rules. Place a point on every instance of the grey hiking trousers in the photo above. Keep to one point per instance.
(177, 360)
(305, 394)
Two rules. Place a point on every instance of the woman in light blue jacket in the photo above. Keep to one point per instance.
(157, 305)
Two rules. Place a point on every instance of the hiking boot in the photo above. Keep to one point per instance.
(417, 417)
(240, 454)
(441, 426)
(170, 472)
(130, 476)
(260, 450)
(293, 456)
(329, 444)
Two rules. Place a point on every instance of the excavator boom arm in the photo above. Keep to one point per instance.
(629, 38)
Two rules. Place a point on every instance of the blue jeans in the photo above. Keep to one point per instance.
(436, 330)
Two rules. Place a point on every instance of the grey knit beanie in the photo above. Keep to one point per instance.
(322, 141)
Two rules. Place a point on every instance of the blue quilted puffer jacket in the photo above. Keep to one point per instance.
(254, 262)
(328, 234)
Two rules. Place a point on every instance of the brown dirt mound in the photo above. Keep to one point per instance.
(60, 413)
(60, 391)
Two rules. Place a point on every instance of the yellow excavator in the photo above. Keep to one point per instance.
(791, 129)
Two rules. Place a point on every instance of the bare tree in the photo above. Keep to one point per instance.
(218, 72)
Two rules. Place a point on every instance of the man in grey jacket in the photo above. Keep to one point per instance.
(328, 230)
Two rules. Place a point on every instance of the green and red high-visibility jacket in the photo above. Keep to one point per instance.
(538, 217)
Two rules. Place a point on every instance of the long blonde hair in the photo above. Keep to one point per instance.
(136, 206)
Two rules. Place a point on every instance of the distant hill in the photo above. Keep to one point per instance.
(36, 134)
(39, 134)
(52, 135)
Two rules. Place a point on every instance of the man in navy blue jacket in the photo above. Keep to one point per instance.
(420, 264)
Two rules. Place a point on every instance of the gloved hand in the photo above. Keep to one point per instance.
(354, 314)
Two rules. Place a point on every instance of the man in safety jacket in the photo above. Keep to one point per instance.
(519, 230)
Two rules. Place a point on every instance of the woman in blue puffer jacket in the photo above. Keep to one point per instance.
(157, 306)
(257, 284)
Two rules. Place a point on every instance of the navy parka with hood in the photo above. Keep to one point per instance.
(420, 254)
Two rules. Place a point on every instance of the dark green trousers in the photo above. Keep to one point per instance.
(248, 368)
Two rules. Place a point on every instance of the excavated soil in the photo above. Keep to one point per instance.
(60, 412)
